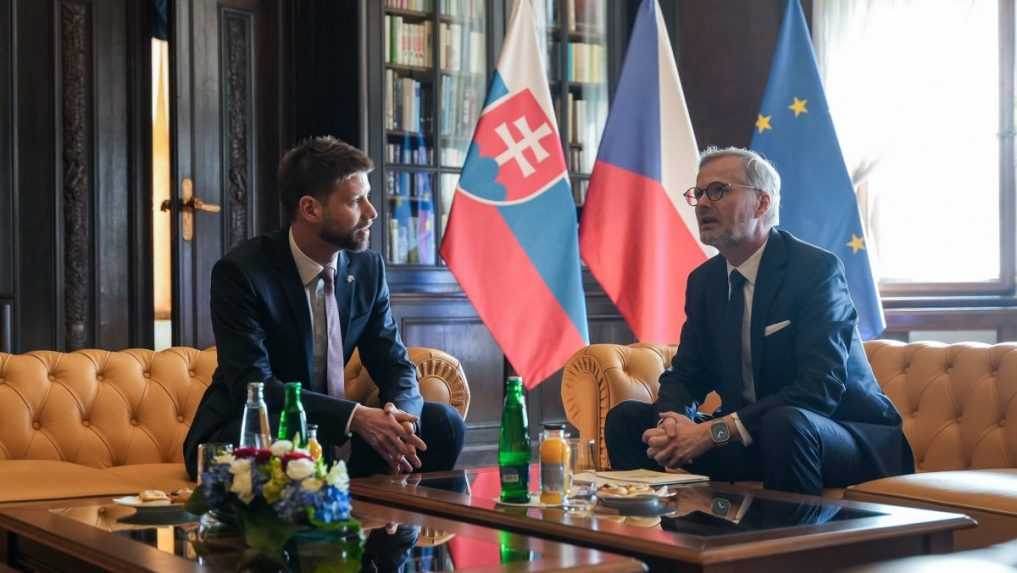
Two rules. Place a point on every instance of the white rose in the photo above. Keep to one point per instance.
(337, 475)
(281, 448)
(300, 469)
(240, 466)
(242, 486)
(312, 485)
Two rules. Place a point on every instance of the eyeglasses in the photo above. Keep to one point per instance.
(715, 191)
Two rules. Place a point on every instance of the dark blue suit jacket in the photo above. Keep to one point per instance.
(262, 327)
(816, 363)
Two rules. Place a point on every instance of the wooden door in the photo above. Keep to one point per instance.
(224, 144)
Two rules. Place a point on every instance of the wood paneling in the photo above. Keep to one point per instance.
(7, 205)
(450, 324)
(39, 318)
(72, 166)
(724, 51)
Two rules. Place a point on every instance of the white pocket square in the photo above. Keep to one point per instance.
(776, 327)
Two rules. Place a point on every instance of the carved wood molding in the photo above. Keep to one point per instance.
(76, 57)
(237, 110)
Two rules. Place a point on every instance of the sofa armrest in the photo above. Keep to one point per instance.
(600, 376)
(441, 378)
(440, 375)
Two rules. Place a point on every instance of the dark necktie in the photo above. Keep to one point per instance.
(733, 315)
(334, 378)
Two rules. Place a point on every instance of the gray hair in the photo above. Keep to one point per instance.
(759, 173)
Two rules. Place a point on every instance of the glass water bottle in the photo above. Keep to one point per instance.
(255, 431)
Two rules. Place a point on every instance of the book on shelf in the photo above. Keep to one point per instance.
(461, 49)
(585, 16)
(586, 62)
(406, 103)
(411, 219)
(409, 44)
(413, 5)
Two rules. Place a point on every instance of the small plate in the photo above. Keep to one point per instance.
(162, 505)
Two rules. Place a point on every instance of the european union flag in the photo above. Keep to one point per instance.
(794, 130)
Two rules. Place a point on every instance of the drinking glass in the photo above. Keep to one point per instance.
(208, 452)
(582, 460)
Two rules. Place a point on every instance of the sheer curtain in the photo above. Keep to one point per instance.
(913, 87)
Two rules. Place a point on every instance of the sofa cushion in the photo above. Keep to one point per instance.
(985, 490)
(989, 496)
(166, 477)
(29, 480)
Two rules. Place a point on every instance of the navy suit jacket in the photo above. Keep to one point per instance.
(817, 362)
(262, 327)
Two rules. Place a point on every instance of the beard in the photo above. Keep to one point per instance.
(345, 240)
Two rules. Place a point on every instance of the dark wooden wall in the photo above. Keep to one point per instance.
(65, 272)
(8, 231)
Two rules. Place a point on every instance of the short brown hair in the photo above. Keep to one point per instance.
(313, 167)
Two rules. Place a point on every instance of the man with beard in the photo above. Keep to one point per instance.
(294, 304)
(770, 327)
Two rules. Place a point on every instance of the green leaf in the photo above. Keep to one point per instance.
(264, 531)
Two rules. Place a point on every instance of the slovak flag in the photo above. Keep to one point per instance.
(511, 239)
(639, 236)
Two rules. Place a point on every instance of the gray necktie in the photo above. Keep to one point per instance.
(334, 362)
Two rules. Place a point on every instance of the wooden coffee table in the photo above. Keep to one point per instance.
(704, 527)
(95, 535)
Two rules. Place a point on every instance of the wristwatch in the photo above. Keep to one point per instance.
(720, 506)
(720, 433)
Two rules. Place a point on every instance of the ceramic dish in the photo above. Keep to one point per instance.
(162, 505)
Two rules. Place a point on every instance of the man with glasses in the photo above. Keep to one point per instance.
(770, 327)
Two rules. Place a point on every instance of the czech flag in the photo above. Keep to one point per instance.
(511, 240)
(639, 236)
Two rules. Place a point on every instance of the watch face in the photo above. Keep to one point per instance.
(720, 506)
(720, 432)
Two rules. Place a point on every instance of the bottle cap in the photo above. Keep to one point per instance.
(513, 379)
(554, 426)
(312, 427)
(292, 385)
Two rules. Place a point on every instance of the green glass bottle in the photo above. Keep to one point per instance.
(293, 421)
(514, 445)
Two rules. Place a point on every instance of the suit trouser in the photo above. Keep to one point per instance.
(794, 450)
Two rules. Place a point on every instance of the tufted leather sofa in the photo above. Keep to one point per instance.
(958, 402)
(96, 423)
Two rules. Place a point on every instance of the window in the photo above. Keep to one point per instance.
(922, 97)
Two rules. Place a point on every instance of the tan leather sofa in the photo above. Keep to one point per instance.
(93, 422)
(958, 402)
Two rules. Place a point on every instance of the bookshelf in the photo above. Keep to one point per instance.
(436, 61)
(576, 37)
(436, 58)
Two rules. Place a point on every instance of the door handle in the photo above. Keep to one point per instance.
(190, 204)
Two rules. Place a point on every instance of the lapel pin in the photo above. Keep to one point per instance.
(349, 278)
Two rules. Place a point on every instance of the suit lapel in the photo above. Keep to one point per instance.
(344, 288)
(768, 282)
(296, 296)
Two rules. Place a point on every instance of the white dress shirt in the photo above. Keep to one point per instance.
(748, 269)
(314, 286)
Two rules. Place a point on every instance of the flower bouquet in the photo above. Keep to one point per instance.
(281, 496)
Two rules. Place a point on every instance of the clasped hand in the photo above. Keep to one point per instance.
(677, 441)
(389, 431)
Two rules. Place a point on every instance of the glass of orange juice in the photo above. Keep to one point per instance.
(555, 465)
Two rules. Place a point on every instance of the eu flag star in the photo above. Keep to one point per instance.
(856, 243)
(763, 123)
(798, 106)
